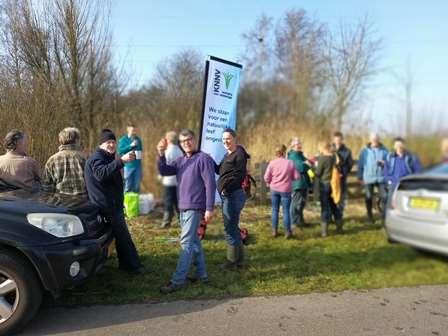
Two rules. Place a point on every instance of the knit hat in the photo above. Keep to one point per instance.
(106, 135)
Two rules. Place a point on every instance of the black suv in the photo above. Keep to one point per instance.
(48, 242)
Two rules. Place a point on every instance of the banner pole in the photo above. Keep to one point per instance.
(207, 64)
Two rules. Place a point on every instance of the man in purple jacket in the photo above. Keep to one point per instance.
(195, 174)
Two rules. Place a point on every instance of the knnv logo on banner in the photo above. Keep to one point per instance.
(219, 104)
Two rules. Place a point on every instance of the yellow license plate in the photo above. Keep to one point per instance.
(424, 203)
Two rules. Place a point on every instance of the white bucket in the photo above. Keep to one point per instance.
(146, 203)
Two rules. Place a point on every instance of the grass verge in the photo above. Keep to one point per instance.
(360, 259)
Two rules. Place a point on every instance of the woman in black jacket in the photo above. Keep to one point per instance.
(232, 171)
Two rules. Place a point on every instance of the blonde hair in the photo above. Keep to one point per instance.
(325, 147)
(69, 136)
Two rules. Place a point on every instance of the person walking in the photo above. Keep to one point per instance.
(232, 170)
(17, 169)
(64, 171)
(300, 187)
(131, 142)
(279, 175)
(172, 153)
(325, 170)
(371, 174)
(195, 173)
(104, 185)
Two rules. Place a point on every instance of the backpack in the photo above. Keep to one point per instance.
(202, 229)
(336, 191)
(244, 233)
(246, 185)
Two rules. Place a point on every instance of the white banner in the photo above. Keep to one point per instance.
(219, 104)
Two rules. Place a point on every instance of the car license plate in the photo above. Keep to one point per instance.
(425, 203)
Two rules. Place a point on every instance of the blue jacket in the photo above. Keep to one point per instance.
(104, 183)
(397, 167)
(370, 170)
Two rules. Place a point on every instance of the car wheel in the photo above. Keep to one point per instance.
(20, 292)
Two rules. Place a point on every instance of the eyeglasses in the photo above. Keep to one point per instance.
(190, 139)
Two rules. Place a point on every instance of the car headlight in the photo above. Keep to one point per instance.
(59, 225)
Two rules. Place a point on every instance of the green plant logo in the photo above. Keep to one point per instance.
(227, 77)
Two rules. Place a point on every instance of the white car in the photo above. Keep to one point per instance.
(417, 214)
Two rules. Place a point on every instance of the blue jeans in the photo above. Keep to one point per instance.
(191, 248)
(132, 178)
(231, 209)
(285, 199)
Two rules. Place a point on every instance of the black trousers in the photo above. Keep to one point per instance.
(128, 258)
(328, 207)
(298, 203)
(170, 204)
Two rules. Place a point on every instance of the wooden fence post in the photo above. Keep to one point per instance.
(262, 189)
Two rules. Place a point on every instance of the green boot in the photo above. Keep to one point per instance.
(324, 229)
(232, 258)
(339, 227)
(240, 262)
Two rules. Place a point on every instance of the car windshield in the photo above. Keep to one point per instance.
(441, 169)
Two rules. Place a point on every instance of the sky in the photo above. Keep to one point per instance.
(414, 35)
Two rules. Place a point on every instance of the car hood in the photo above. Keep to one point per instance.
(16, 205)
(22, 201)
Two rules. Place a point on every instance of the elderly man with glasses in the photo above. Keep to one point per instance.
(195, 174)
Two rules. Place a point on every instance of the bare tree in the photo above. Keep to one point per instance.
(351, 57)
(57, 69)
(258, 56)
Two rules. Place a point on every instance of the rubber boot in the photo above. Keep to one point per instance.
(339, 226)
(240, 262)
(232, 258)
(324, 229)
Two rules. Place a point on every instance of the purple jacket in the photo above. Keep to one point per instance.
(195, 179)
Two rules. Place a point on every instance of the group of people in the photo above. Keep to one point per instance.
(291, 175)
(71, 172)
(195, 176)
(188, 177)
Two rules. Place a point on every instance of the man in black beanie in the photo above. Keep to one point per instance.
(104, 185)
